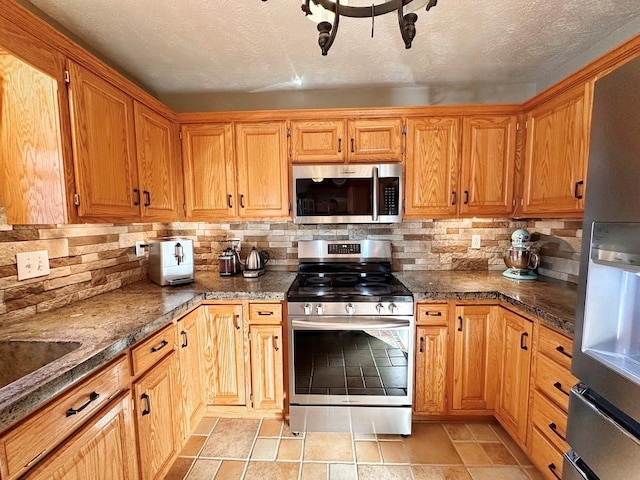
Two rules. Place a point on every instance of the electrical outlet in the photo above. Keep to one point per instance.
(140, 248)
(476, 240)
(32, 264)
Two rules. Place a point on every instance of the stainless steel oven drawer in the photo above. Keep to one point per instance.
(612, 452)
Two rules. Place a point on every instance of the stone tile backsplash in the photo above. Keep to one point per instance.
(86, 260)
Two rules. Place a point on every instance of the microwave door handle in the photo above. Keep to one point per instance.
(376, 192)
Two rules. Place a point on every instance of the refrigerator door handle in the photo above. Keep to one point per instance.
(575, 469)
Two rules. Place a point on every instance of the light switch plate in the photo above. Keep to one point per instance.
(32, 264)
(476, 241)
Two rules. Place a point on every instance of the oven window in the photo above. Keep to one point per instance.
(334, 196)
(351, 362)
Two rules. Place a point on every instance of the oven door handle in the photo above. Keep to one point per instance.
(376, 193)
(353, 324)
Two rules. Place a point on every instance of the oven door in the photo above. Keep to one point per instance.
(355, 360)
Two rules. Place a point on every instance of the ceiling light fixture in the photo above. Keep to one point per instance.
(321, 11)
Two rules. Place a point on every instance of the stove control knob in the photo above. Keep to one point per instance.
(350, 308)
(379, 308)
(393, 307)
(320, 309)
(307, 309)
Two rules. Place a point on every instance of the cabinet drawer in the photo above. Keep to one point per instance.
(433, 314)
(554, 381)
(265, 312)
(556, 346)
(545, 456)
(27, 443)
(152, 349)
(550, 420)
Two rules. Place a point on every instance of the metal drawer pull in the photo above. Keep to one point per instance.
(554, 469)
(558, 385)
(454, 198)
(163, 344)
(561, 349)
(137, 199)
(576, 190)
(460, 320)
(353, 145)
(93, 396)
(339, 145)
(433, 314)
(144, 397)
(185, 339)
(523, 345)
(421, 345)
(466, 197)
(236, 321)
(147, 198)
(264, 313)
(35, 459)
(275, 343)
(242, 201)
(229, 201)
(554, 429)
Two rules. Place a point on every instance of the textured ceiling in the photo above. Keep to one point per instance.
(254, 46)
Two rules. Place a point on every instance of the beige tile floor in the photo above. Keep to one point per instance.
(253, 449)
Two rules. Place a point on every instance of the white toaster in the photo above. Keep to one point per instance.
(171, 260)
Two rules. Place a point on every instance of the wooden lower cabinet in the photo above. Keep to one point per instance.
(104, 449)
(157, 418)
(267, 368)
(431, 370)
(224, 357)
(477, 340)
(513, 400)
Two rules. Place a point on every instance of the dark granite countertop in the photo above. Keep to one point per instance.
(106, 325)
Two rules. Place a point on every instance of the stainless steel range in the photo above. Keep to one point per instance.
(351, 337)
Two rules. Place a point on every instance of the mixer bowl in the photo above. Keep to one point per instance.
(521, 258)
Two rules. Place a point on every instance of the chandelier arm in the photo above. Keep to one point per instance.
(334, 31)
(362, 11)
(407, 24)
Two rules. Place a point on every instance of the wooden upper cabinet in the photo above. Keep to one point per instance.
(432, 167)
(375, 139)
(318, 141)
(262, 169)
(209, 171)
(159, 171)
(104, 148)
(557, 153)
(488, 159)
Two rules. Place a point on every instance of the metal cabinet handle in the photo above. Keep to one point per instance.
(236, 321)
(34, 459)
(353, 145)
(159, 347)
(147, 198)
(558, 386)
(185, 339)
(466, 197)
(145, 398)
(460, 325)
(421, 349)
(576, 190)
(433, 314)
(265, 313)
(137, 198)
(554, 469)
(554, 428)
(561, 349)
(242, 201)
(275, 343)
(229, 197)
(93, 396)
(523, 345)
(454, 198)
(339, 145)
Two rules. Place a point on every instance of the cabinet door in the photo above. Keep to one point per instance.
(104, 449)
(318, 142)
(488, 161)
(157, 419)
(375, 139)
(103, 148)
(513, 401)
(261, 156)
(476, 359)
(433, 159)
(267, 374)
(159, 169)
(224, 355)
(209, 171)
(557, 150)
(190, 331)
(431, 370)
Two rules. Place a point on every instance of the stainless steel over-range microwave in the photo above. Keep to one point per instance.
(347, 193)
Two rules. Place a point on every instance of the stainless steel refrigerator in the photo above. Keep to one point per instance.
(604, 408)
